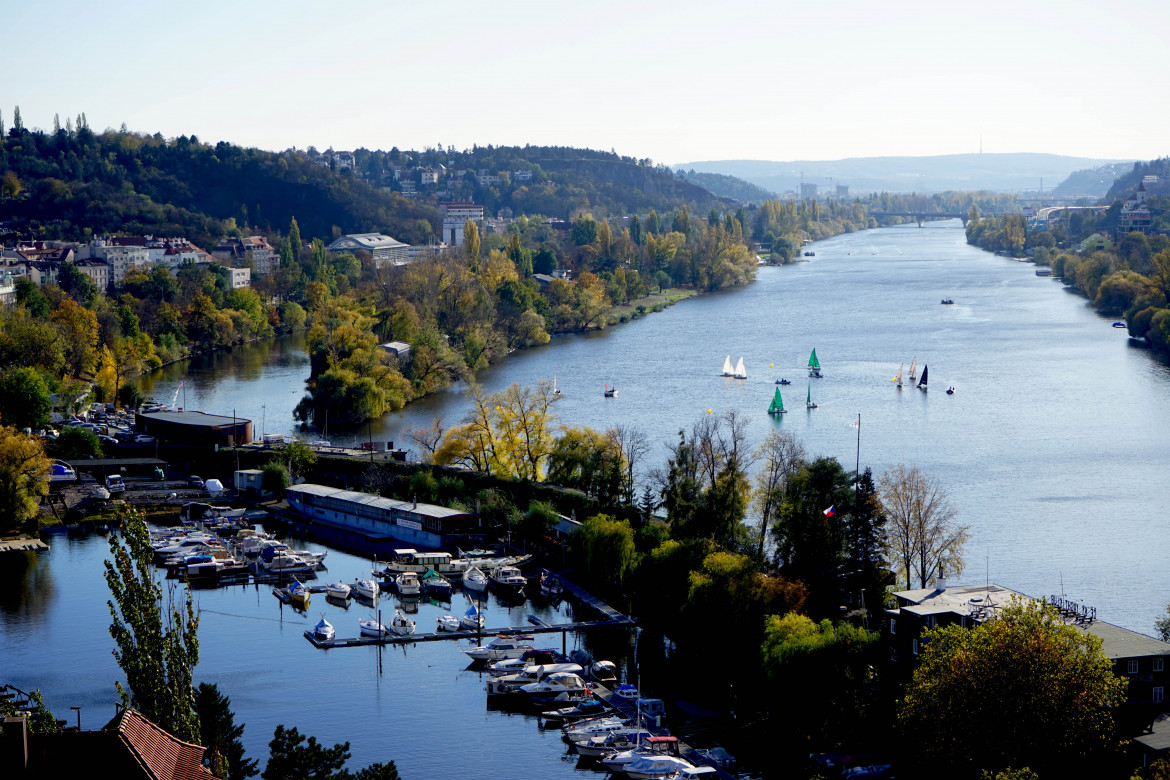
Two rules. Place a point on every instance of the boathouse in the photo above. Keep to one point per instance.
(195, 428)
(381, 523)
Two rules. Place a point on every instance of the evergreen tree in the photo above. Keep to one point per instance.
(157, 650)
(294, 239)
(219, 733)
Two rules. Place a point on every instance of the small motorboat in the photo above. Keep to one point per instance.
(298, 593)
(447, 623)
(408, 584)
(367, 589)
(1120, 324)
(783, 382)
(950, 391)
(626, 691)
(337, 590)
(550, 585)
(436, 584)
(947, 301)
(401, 624)
(372, 628)
(324, 629)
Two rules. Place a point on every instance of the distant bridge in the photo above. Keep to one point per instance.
(922, 216)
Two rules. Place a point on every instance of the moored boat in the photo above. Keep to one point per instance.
(324, 629)
(337, 590)
(408, 584)
(502, 646)
(401, 624)
(372, 628)
(472, 619)
(298, 594)
(436, 584)
(508, 580)
(367, 589)
(447, 623)
(475, 580)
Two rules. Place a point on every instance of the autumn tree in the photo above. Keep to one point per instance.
(925, 539)
(509, 432)
(24, 398)
(604, 547)
(1046, 685)
(24, 473)
(156, 644)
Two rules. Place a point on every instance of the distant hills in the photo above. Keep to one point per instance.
(940, 173)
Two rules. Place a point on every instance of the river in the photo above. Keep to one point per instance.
(1052, 449)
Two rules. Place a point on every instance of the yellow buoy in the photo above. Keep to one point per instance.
(708, 411)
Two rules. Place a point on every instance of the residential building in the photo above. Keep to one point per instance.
(423, 251)
(428, 176)
(485, 179)
(98, 272)
(42, 272)
(1135, 214)
(342, 160)
(1141, 659)
(808, 191)
(521, 175)
(7, 289)
(240, 277)
(129, 747)
(382, 248)
(264, 258)
(454, 215)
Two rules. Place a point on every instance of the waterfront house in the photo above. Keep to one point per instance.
(1141, 659)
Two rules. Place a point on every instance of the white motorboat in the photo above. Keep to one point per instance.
(474, 579)
(447, 623)
(531, 674)
(627, 692)
(324, 629)
(285, 563)
(660, 747)
(501, 647)
(508, 580)
(367, 589)
(550, 585)
(401, 624)
(407, 584)
(533, 657)
(337, 590)
(604, 672)
(372, 628)
(472, 619)
(612, 742)
(583, 731)
(551, 687)
(656, 767)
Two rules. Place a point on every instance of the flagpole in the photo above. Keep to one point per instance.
(857, 468)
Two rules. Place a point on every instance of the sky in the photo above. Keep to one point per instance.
(675, 82)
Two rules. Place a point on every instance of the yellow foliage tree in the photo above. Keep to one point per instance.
(24, 471)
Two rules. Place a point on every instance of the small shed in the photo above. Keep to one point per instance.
(399, 349)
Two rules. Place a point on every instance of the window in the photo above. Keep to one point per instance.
(1133, 667)
(893, 654)
(914, 645)
(893, 626)
(1157, 697)
(931, 621)
(1158, 664)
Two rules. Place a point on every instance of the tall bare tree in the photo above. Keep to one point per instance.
(924, 535)
(427, 438)
(781, 455)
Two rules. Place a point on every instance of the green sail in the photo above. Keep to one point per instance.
(812, 360)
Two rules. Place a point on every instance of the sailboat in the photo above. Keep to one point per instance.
(814, 365)
(922, 381)
(610, 392)
(727, 369)
(740, 371)
(898, 378)
(555, 390)
(777, 406)
(808, 401)
(913, 362)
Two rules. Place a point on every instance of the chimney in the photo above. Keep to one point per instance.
(940, 581)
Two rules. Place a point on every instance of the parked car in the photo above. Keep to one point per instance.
(194, 481)
(108, 441)
(143, 438)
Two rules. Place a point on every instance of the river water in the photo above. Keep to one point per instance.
(1052, 450)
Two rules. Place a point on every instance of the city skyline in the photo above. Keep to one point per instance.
(675, 83)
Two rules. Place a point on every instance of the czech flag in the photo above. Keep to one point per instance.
(829, 512)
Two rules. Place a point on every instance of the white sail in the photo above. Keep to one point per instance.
(913, 361)
(727, 366)
(898, 378)
(740, 371)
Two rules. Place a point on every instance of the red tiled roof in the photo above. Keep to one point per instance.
(161, 755)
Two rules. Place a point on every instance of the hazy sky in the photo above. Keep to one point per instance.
(673, 81)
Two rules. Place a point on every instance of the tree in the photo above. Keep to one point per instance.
(24, 398)
(298, 456)
(925, 539)
(219, 733)
(292, 758)
(40, 721)
(274, 478)
(74, 443)
(1046, 685)
(1162, 625)
(781, 455)
(427, 438)
(605, 548)
(157, 649)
